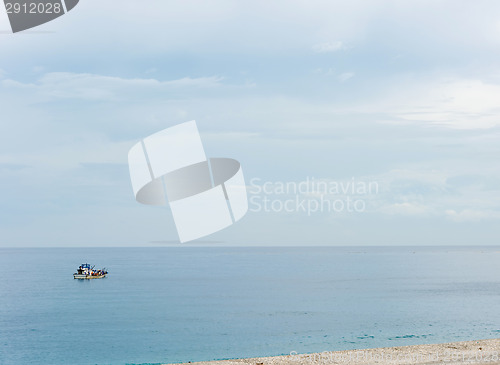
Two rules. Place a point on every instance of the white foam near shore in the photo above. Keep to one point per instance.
(471, 352)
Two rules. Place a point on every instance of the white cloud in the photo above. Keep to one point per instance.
(460, 103)
(438, 194)
(74, 118)
(454, 103)
(412, 193)
(471, 215)
(66, 85)
(457, 103)
(345, 76)
(281, 124)
(406, 208)
(328, 47)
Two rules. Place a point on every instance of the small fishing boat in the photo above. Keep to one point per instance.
(87, 272)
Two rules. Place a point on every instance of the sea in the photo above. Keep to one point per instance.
(181, 304)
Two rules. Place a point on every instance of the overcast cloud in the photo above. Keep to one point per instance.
(403, 93)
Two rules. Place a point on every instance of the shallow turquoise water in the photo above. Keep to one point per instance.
(192, 304)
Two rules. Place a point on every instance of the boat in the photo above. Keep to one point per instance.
(87, 272)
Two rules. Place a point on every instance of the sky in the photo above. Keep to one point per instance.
(402, 93)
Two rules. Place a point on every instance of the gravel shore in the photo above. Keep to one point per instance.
(471, 352)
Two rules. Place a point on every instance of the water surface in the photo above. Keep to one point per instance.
(191, 304)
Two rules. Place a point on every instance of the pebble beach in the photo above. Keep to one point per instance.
(470, 352)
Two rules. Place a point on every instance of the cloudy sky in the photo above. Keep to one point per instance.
(404, 93)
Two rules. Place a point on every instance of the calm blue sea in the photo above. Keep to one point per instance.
(190, 304)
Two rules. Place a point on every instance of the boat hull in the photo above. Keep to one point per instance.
(82, 276)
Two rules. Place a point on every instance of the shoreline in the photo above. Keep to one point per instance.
(467, 352)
